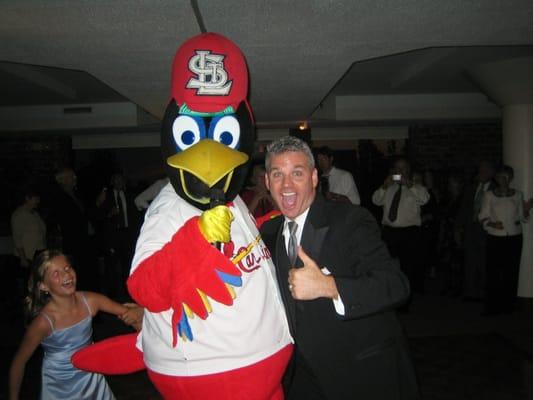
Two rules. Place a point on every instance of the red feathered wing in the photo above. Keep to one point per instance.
(174, 275)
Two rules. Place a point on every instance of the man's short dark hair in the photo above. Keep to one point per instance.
(286, 144)
(507, 170)
(27, 191)
(325, 151)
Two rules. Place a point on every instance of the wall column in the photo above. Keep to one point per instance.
(518, 153)
(509, 83)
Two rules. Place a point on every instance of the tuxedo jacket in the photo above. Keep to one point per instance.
(363, 354)
(108, 224)
(105, 214)
(70, 216)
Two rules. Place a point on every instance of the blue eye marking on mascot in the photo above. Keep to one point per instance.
(188, 130)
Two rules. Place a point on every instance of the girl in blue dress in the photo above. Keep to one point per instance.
(62, 325)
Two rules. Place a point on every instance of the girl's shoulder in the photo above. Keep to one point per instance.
(48, 314)
(42, 325)
(92, 300)
(88, 296)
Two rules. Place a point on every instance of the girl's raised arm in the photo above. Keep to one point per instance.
(131, 314)
(36, 332)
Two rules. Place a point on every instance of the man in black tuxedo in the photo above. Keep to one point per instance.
(69, 218)
(340, 289)
(118, 226)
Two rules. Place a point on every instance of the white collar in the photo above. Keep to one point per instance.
(329, 172)
(300, 221)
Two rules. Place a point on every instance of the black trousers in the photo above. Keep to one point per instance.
(119, 246)
(475, 265)
(503, 264)
(406, 245)
(301, 383)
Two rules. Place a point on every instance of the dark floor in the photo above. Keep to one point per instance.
(458, 353)
(461, 355)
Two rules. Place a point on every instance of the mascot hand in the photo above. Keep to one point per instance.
(215, 224)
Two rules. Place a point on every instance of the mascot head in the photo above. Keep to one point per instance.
(207, 134)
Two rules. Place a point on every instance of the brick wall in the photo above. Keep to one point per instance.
(455, 146)
(28, 159)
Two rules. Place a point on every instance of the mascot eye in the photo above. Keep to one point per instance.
(226, 130)
(187, 131)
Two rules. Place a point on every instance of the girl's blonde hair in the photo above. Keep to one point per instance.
(37, 298)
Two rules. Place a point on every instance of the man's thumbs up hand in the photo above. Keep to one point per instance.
(309, 282)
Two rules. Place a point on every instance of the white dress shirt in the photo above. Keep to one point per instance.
(409, 208)
(508, 210)
(341, 182)
(120, 196)
(143, 199)
(300, 221)
(483, 186)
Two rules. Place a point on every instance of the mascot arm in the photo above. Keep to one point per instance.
(183, 275)
(113, 356)
(267, 217)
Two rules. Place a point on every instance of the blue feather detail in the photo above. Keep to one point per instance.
(184, 327)
(231, 279)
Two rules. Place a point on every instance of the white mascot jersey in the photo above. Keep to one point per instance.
(231, 337)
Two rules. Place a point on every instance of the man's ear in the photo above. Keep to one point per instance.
(314, 177)
(267, 181)
(43, 287)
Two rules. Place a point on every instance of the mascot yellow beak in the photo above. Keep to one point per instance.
(208, 160)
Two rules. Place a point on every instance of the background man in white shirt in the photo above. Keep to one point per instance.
(401, 200)
(340, 183)
(143, 199)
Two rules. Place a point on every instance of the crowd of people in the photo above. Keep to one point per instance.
(435, 230)
(465, 232)
(97, 234)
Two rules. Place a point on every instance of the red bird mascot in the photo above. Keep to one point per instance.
(214, 325)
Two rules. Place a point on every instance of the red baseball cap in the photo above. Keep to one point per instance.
(209, 74)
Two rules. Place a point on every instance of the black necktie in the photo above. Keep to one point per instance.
(324, 184)
(292, 248)
(393, 210)
(478, 199)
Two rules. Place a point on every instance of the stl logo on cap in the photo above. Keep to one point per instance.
(209, 75)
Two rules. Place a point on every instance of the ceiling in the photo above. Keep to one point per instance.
(29, 85)
(299, 52)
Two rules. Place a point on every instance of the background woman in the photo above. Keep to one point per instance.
(502, 213)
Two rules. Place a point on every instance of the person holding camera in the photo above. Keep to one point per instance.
(401, 199)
